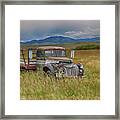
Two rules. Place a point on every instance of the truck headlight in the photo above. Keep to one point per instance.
(81, 71)
(81, 66)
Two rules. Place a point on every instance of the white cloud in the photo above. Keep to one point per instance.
(85, 33)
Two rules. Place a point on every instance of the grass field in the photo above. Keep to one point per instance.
(35, 86)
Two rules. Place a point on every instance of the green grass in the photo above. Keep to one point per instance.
(68, 45)
(35, 86)
(88, 47)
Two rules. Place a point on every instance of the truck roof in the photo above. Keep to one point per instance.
(51, 48)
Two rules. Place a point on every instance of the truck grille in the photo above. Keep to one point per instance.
(71, 71)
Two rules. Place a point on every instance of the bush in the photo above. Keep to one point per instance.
(87, 47)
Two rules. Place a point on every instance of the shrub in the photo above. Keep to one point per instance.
(87, 47)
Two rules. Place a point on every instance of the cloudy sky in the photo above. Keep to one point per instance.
(40, 29)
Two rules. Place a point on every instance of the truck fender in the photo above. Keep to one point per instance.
(48, 67)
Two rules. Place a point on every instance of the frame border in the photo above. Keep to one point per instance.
(69, 2)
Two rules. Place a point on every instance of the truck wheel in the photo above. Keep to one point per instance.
(47, 71)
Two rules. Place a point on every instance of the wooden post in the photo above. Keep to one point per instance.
(72, 53)
(23, 56)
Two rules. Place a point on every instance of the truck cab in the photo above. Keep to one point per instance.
(53, 61)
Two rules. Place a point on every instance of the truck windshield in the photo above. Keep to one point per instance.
(55, 53)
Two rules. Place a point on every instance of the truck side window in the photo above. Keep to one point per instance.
(40, 53)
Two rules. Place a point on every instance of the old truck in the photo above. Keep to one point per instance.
(52, 60)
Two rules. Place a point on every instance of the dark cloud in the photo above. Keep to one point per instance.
(38, 29)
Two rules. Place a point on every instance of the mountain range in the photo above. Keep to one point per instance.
(59, 40)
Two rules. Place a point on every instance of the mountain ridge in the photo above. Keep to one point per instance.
(60, 40)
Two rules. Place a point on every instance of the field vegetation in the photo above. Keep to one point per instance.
(34, 85)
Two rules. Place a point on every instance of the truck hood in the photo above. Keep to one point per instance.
(58, 59)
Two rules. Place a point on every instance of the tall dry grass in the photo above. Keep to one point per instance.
(35, 86)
